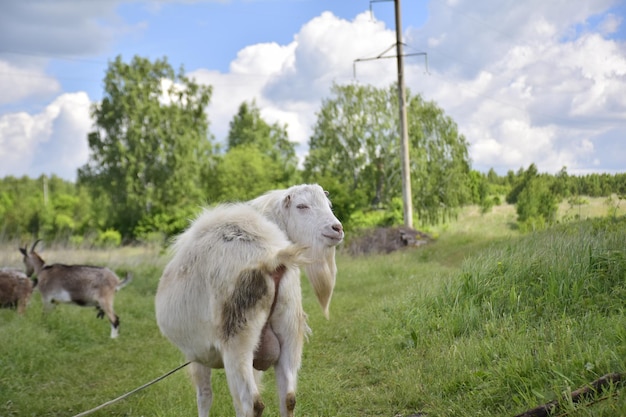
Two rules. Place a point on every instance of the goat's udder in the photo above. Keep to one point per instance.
(268, 351)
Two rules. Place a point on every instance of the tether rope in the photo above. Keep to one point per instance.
(93, 410)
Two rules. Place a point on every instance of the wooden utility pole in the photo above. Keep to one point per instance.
(404, 133)
(407, 199)
(45, 190)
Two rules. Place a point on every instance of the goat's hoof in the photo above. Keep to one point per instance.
(290, 402)
(259, 406)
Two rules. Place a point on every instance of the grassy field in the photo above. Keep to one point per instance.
(482, 322)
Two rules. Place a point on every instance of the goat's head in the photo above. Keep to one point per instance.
(307, 214)
(32, 260)
(304, 212)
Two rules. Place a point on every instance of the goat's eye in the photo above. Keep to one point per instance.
(302, 206)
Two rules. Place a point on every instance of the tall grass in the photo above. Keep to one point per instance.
(478, 323)
(522, 322)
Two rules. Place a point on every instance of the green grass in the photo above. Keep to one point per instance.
(482, 322)
(522, 322)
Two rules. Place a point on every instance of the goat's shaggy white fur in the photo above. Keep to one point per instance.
(231, 297)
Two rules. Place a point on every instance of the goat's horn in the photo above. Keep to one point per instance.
(34, 244)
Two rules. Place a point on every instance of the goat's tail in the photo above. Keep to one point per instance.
(124, 282)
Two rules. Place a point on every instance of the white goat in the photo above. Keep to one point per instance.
(15, 289)
(231, 297)
(84, 285)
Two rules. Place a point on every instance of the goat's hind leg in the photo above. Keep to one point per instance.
(201, 376)
(242, 380)
(107, 307)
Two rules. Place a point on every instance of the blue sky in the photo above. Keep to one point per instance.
(526, 82)
(209, 34)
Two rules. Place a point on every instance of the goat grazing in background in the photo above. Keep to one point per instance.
(230, 297)
(83, 285)
(15, 289)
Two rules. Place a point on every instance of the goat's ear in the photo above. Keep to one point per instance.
(23, 250)
(287, 201)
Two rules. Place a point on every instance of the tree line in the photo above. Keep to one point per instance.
(154, 162)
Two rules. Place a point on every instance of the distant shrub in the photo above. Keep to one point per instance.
(76, 241)
(110, 238)
(487, 204)
(577, 201)
(536, 206)
(153, 239)
(532, 224)
(392, 215)
(613, 204)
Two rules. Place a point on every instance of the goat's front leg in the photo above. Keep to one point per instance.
(48, 304)
(201, 376)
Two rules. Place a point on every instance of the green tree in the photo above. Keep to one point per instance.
(22, 206)
(150, 147)
(356, 141)
(497, 185)
(480, 187)
(440, 164)
(560, 185)
(534, 199)
(249, 129)
(259, 157)
(244, 172)
(536, 204)
(493, 177)
(520, 181)
(43, 208)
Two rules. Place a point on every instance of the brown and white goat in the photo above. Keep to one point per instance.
(83, 285)
(230, 297)
(15, 289)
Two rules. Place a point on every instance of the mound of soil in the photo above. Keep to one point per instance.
(386, 240)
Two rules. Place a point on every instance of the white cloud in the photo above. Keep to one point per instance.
(229, 91)
(288, 82)
(53, 141)
(534, 95)
(325, 52)
(523, 86)
(527, 82)
(263, 59)
(19, 83)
